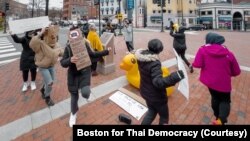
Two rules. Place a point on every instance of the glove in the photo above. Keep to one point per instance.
(180, 74)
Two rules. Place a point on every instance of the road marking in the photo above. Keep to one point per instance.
(10, 54)
(7, 50)
(7, 61)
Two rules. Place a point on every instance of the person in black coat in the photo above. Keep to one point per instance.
(27, 62)
(179, 45)
(78, 79)
(152, 84)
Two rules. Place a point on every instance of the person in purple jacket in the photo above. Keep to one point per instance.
(218, 65)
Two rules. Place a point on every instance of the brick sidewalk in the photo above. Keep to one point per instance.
(196, 110)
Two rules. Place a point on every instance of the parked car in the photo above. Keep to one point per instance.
(196, 27)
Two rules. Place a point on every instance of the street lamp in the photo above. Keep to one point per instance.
(120, 21)
(162, 16)
(232, 2)
(47, 8)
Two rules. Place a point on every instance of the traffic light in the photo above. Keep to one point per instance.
(96, 2)
(7, 6)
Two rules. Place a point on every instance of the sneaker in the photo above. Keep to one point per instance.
(217, 122)
(49, 101)
(33, 85)
(42, 91)
(191, 69)
(72, 120)
(25, 86)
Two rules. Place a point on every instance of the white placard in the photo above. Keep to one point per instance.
(134, 108)
(183, 84)
(23, 25)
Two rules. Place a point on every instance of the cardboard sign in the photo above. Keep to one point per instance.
(183, 84)
(23, 25)
(79, 49)
(134, 108)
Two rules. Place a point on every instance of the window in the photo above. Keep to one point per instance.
(220, 12)
(168, 1)
(203, 13)
(209, 12)
(190, 1)
(153, 11)
(190, 11)
(169, 11)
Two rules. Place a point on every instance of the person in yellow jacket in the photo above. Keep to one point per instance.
(96, 44)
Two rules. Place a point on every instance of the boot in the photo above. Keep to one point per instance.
(49, 101)
(42, 91)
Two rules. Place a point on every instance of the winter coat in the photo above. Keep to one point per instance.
(179, 42)
(78, 79)
(128, 33)
(152, 84)
(96, 44)
(27, 60)
(217, 64)
(45, 56)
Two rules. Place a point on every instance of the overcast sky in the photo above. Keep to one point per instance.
(52, 3)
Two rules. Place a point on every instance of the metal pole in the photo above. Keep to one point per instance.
(232, 15)
(47, 8)
(32, 11)
(5, 17)
(120, 21)
(99, 8)
(182, 12)
(162, 16)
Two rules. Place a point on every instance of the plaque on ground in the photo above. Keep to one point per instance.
(79, 49)
(107, 66)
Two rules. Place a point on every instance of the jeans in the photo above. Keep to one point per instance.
(48, 75)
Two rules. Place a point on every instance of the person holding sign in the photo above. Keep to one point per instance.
(152, 84)
(179, 45)
(27, 61)
(47, 51)
(78, 78)
(217, 65)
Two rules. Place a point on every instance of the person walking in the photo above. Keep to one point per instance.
(179, 45)
(27, 61)
(96, 44)
(128, 28)
(217, 65)
(47, 51)
(152, 83)
(78, 79)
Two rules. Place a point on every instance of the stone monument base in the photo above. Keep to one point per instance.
(105, 69)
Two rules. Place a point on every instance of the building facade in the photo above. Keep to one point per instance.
(110, 8)
(77, 9)
(179, 11)
(225, 16)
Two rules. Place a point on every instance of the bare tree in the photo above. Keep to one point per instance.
(38, 6)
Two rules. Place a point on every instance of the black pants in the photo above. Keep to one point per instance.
(93, 66)
(129, 46)
(75, 96)
(155, 108)
(181, 53)
(220, 102)
(26, 75)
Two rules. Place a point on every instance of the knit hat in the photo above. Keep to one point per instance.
(155, 46)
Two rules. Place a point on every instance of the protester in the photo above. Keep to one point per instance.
(27, 62)
(109, 28)
(128, 28)
(152, 84)
(47, 51)
(179, 45)
(96, 44)
(78, 79)
(218, 65)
